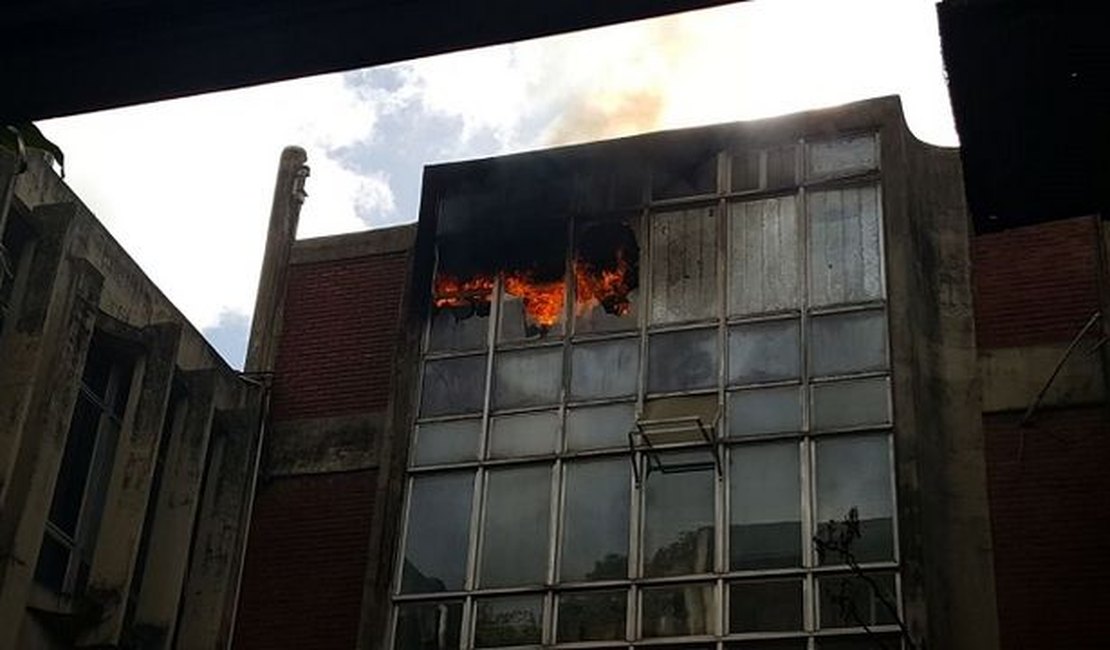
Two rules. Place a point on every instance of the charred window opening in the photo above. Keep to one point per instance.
(606, 276)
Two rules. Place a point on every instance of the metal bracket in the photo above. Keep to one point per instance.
(650, 435)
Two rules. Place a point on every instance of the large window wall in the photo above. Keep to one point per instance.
(760, 307)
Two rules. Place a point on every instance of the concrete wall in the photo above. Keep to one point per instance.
(78, 281)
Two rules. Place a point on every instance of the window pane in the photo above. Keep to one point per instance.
(513, 620)
(678, 521)
(764, 410)
(605, 369)
(684, 176)
(53, 562)
(679, 611)
(73, 473)
(845, 155)
(514, 540)
(854, 472)
(851, 601)
(683, 265)
(592, 616)
(764, 352)
(682, 360)
(845, 260)
(595, 524)
(453, 386)
(428, 626)
(596, 427)
(763, 263)
(460, 327)
(527, 377)
(438, 530)
(525, 434)
(861, 642)
(765, 606)
(446, 442)
(845, 343)
(765, 520)
(853, 403)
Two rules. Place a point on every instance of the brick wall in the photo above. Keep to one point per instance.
(335, 356)
(1050, 527)
(1036, 284)
(302, 587)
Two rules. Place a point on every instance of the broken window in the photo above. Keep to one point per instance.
(607, 276)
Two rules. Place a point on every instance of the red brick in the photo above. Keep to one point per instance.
(1037, 284)
(1049, 524)
(303, 577)
(335, 355)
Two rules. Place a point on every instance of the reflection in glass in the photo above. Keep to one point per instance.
(687, 610)
(684, 360)
(514, 538)
(683, 265)
(845, 249)
(512, 620)
(854, 403)
(852, 601)
(595, 521)
(845, 343)
(453, 386)
(597, 427)
(592, 616)
(527, 377)
(524, 434)
(853, 472)
(605, 369)
(759, 411)
(678, 522)
(437, 535)
(768, 351)
(765, 606)
(446, 442)
(765, 528)
(764, 270)
(428, 626)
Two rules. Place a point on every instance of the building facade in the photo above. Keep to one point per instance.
(127, 445)
(825, 372)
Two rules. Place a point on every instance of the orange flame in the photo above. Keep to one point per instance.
(543, 301)
(608, 287)
(450, 291)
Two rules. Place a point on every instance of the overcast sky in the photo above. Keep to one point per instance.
(185, 185)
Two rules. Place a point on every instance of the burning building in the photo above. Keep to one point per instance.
(710, 388)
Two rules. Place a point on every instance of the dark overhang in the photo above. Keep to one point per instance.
(1030, 92)
(60, 57)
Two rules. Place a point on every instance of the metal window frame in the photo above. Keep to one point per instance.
(805, 438)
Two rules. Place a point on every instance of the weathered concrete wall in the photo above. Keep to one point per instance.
(944, 525)
(79, 280)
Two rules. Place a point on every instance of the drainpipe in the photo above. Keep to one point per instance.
(285, 211)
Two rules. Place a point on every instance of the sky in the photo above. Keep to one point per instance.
(185, 185)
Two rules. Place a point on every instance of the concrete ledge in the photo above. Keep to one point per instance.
(358, 244)
(334, 444)
(1012, 377)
